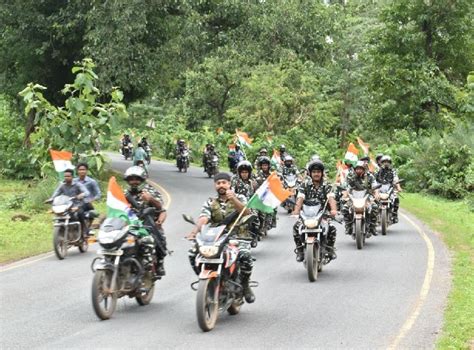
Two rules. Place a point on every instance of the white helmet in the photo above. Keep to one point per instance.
(136, 171)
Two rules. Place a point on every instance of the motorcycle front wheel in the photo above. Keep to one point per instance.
(359, 234)
(312, 254)
(384, 221)
(207, 306)
(103, 301)
(59, 242)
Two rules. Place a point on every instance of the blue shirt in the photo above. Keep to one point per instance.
(92, 186)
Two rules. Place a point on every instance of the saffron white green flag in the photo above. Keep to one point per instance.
(351, 154)
(117, 204)
(269, 195)
(61, 161)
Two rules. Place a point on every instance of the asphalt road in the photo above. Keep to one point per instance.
(390, 294)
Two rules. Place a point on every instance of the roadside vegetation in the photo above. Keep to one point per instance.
(455, 223)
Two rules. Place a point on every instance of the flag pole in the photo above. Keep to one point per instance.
(240, 216)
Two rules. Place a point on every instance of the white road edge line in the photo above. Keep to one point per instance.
(425, 288)
(21, 264)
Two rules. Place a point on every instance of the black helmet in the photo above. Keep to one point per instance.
(244, 165)
(263, 160)
(365, 158)
(378, 157)
(316, 164)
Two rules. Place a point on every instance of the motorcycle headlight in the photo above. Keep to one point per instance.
(59, 209)
(384, 196)
(311, 223)
(107, 237)
(208, 251)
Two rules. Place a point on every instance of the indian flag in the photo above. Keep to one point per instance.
(269, 195)
(364, 146)
(276, 160)
(117, 204)
(351, 154)
(341, 172)
(243, 138)
(61, 161)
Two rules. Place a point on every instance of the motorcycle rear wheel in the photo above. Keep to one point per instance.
(312, 254)
(59, 242)
(104, 303)
(145, 298)
(359, 234)
(207, 309)
(384, 221)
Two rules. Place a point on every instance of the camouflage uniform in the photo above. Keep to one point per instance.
(216, 210)
(308, 191)
(389, 176)
(243, 187)
(156, 242)
(366, 182)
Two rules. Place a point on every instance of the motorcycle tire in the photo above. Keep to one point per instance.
(206, 309)
(384, 222)
(359, 234)
(311, 258)
(84, 245)
(234, 308)
(145, 298)
(104, 305)
(59, 242)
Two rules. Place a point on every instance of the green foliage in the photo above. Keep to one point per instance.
(80, 126)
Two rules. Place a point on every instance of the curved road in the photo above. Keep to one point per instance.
(389, 295)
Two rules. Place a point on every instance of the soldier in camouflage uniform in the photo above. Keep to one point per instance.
(267, 221)
(314, 187)
(142, 196)
(213, 212)
(262, 153)
(289, 166)
(242, 182)
(388, 175)
(360, 180)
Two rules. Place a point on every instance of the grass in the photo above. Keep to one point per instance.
(22, 239)
(455, 222)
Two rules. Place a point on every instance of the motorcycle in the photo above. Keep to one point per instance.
(290, 182)
(359, 212)
(219, 286)
(313, 232)
(67, 229)
(148, 154)
(212, 165)
(127, 150)
(387, 194)
(183, 161)
(119, 272)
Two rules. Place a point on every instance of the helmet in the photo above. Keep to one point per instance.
(211, 146)
(288, 158)
(365, 158)
(244, 165)
(315, 164)
(378, 157)
(386, 159)
(263, 160)
(359, 164)
(181, 141)
(263, 150)
(315, 157)
(136, 171)
(282, 147)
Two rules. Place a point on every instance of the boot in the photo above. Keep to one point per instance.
(160, 268)
(299, 253)
(331, 252)
(248, 293)
(348, 227)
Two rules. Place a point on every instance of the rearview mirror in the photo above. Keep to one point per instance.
(189, 219)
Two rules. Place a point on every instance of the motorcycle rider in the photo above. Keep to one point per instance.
(214, 211)
(262, 153)
(208, 154)
(239, 154)
(242, 183)
(265, 166)
(180, 149)
(91, 185)
(144, 196)
(125, 141)
(378, 159)
(360, 180)
(283, 153)
(388, 175)
(139, 156)
(74, 189)
(315, 187)
(289, 166)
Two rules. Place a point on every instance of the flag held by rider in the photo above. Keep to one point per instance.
(269, 195)
(243, 138)
(351, 154)
(61, 161)
(117, 204)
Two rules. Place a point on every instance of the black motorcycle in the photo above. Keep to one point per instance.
(183, 161)
(212, 165)
(119, 271)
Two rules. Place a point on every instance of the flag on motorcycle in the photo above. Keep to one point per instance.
(364, 146)
(276, 160)
(341, 172)
(117, 204)
(351, 154)
(61, 161)
(243, 139)
(269, 195)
